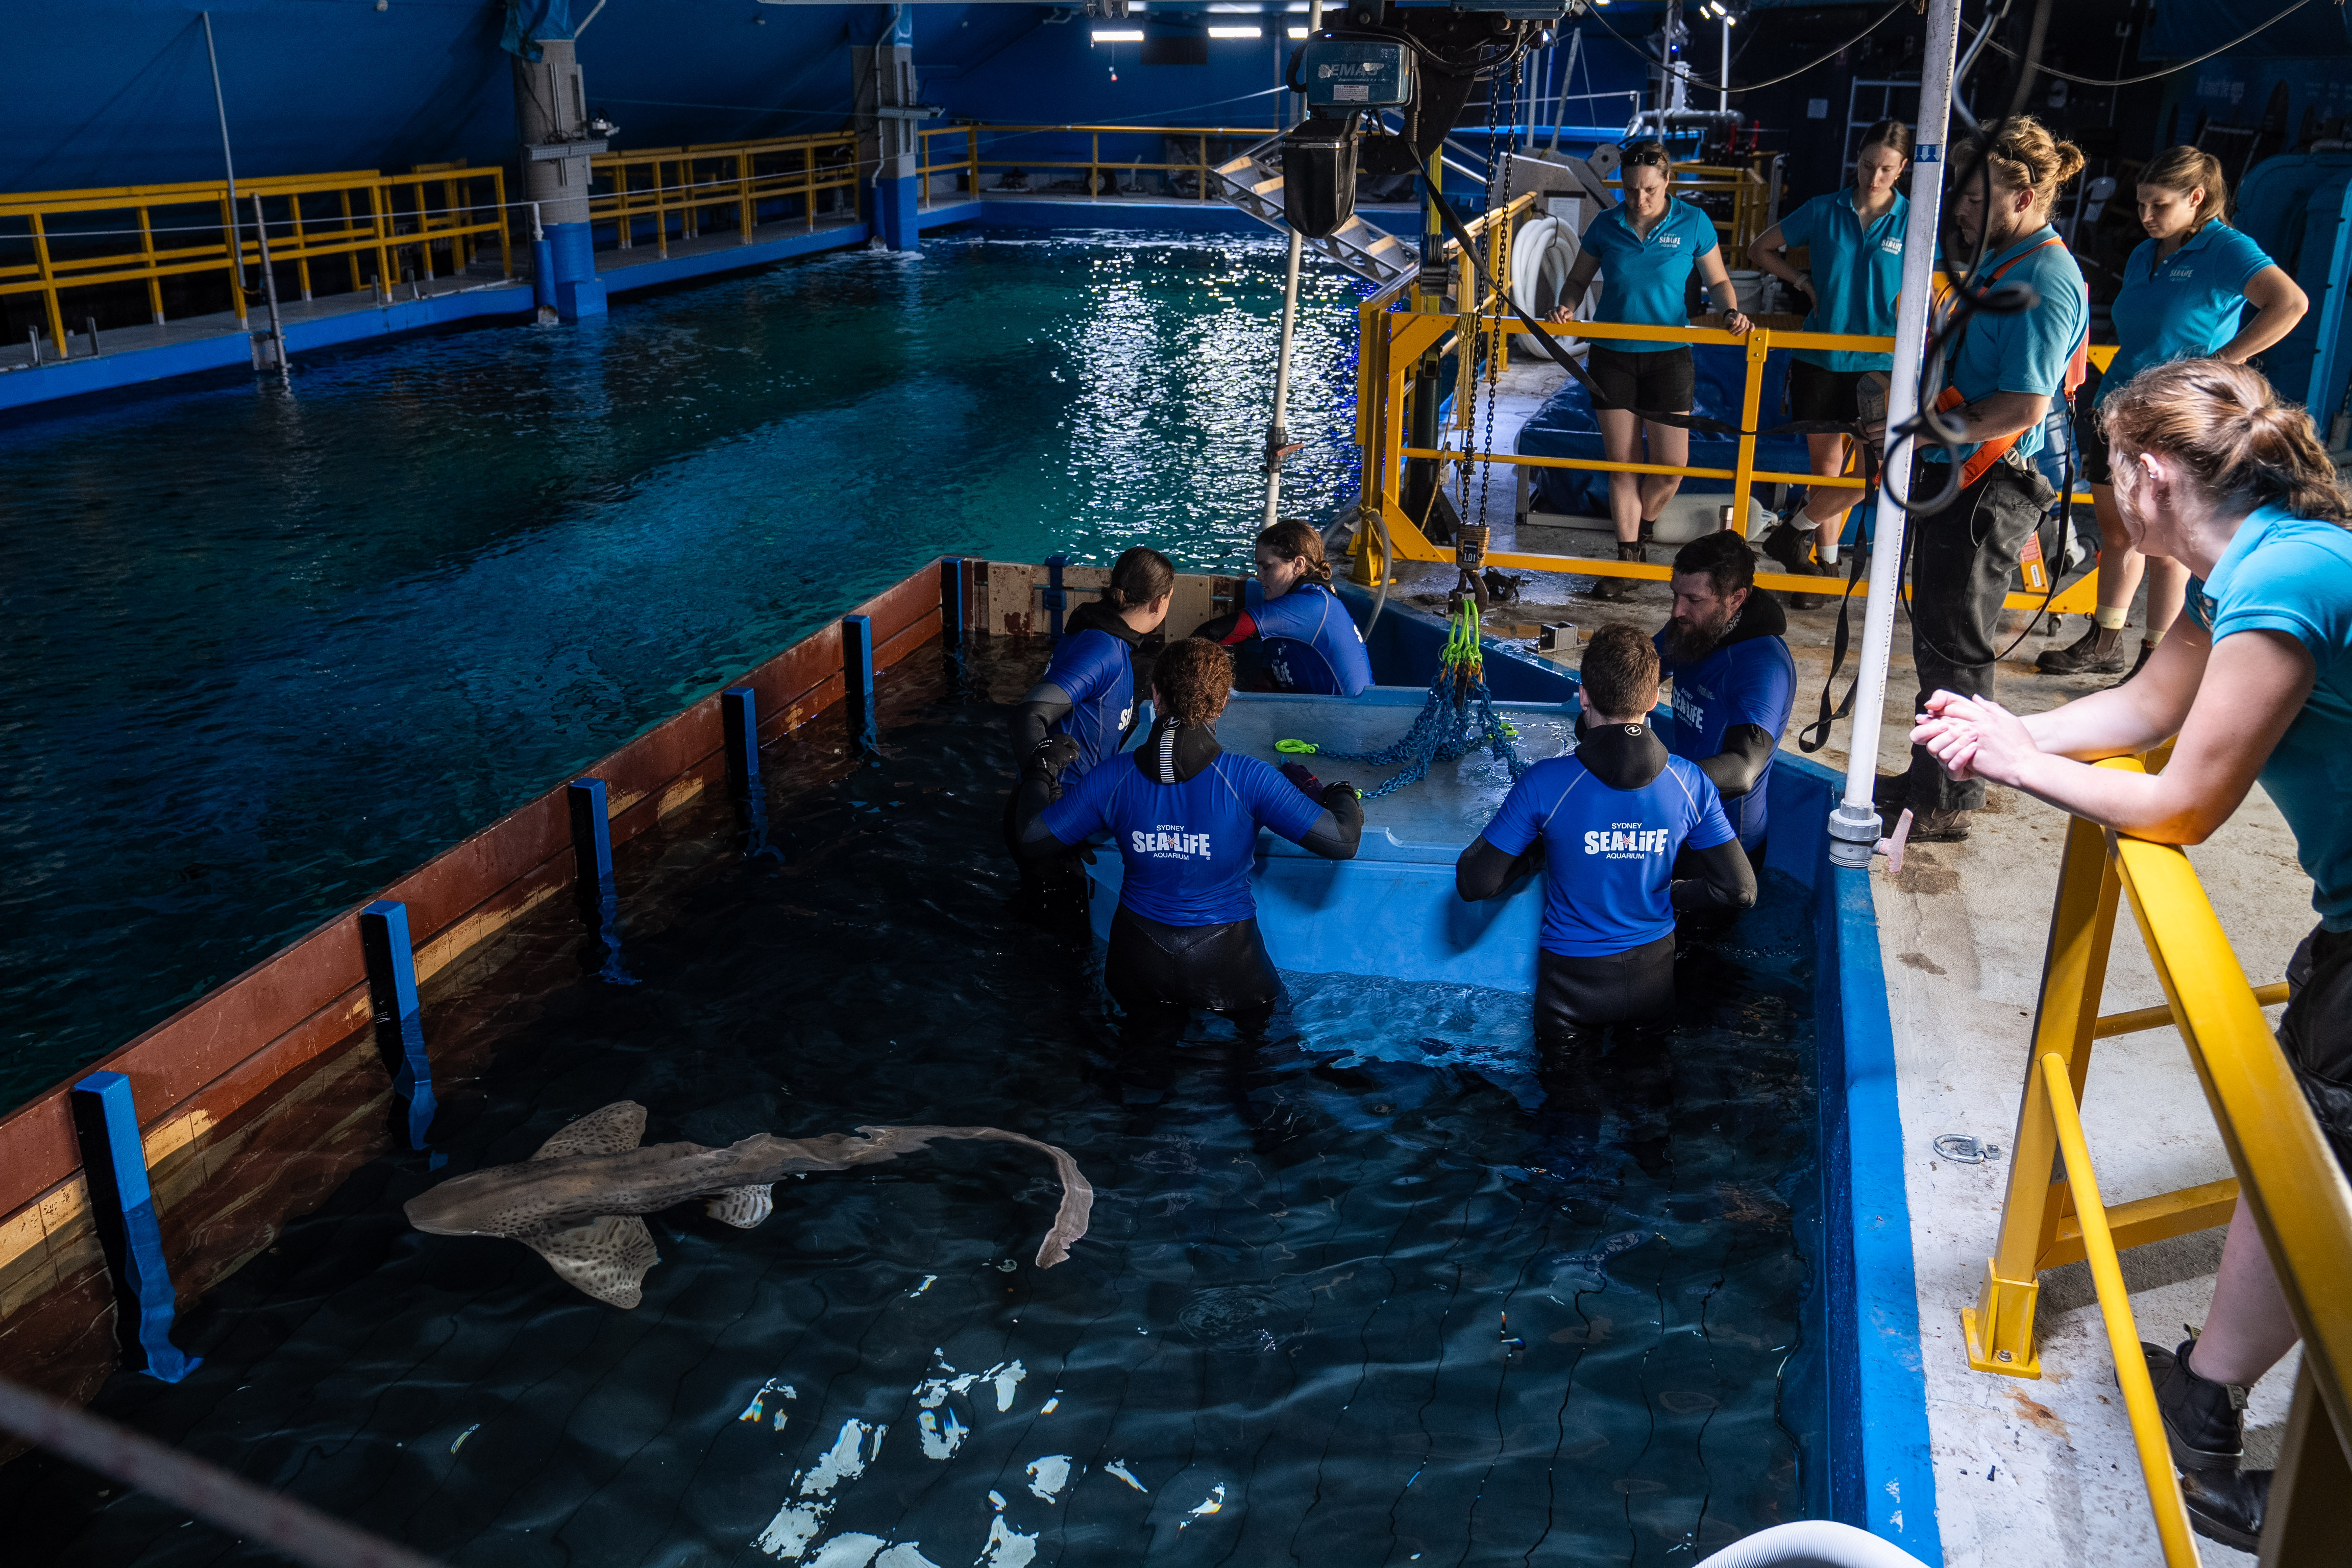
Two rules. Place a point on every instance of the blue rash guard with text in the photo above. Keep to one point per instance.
(1188, 847)
(1749, 682)
(1609, 853)
(1311, 643)
(1096, 671)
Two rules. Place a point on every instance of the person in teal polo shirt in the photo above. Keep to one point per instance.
(2184, 292)
(2001, 375)
(1645, 250)
(2214, 470)
(1855, 238)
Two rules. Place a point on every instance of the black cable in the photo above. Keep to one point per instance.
(2032, 67)
(1884, 18)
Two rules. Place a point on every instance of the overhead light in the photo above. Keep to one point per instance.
(1236, 32)
(1118, 34)
(1296, 32)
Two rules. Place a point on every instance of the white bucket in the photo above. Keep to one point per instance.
(1750, 288)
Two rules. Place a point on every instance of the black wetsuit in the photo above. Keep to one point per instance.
(1184, 818)
(1091, 691)
(1580, 994)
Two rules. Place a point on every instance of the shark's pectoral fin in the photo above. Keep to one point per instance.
(614, 1130)
(741, 1207)
(607, 1257)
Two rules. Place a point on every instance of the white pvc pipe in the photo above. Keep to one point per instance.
(1289, 324)
(1854, 825)
(1812, 1544)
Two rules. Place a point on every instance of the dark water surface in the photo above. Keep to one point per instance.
(1381, 1290)
(261, 652)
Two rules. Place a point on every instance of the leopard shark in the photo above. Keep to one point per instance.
(577, 1202)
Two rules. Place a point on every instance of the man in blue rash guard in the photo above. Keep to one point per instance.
(1611, 817)
(1184, 818)
(1734, 680)
(1311, 642)
(1090, 693)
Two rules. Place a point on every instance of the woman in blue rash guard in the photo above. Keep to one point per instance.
(1184, 818)
(1645, 250)
(2214, 470)
(1090, 693)
(2184, 293)
(1854, 239)
(1311, 642)
(1611, 818)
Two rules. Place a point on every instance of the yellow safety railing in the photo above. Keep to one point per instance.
(1398, 330)
(145, 234)
(1096, 165)
(713, 186)
(1751, 201)
(930, 162)
(2285, 1171)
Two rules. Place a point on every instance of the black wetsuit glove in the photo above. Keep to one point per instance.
(1046, 763)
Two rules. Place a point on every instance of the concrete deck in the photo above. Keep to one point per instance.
(2041, 1472)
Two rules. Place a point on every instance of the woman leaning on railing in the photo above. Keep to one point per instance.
(2214, 470)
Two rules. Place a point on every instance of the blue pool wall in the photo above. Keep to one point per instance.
(1869, 1465)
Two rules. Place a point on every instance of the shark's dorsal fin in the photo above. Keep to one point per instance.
(607, 1257)
(741, 1207)
(615, 1129)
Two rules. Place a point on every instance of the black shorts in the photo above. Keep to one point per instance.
(1151, 967)
(1815, 393)
(2316, 1032)
(1654, 383)
(1636, 986)
(2091, 446)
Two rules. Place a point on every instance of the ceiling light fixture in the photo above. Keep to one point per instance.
(1296, 32)
(1236, 32)
(1118, 34)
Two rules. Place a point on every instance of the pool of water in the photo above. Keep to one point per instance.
(1386, 1289)
(266, 650)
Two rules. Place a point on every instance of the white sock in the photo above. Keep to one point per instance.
(1826, 550)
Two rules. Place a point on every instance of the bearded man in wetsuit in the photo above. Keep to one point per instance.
(1734, 679)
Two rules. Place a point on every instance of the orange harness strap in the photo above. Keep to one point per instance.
(2078, 369)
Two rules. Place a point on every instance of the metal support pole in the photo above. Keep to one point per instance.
(1057, 598)
(228, 162)
(390, 957)
(1854, 826)
(270, 288)
(1277, 435)
(123, 1208)
(600, 903)
(857, 680)
(1566, 80)
(739, 708)
(953, 617)
(1724, 103)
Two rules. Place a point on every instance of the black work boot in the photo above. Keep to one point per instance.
(1608, 590)
(2204, 1422)
(2145, 649)
(1791, 549)
(2098, 651)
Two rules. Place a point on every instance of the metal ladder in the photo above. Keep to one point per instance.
(1253, 183)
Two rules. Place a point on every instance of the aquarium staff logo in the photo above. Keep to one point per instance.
(1171, 842)
(1624, 841)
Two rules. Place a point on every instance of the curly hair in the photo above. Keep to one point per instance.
(1193, 678)
(2024, 156)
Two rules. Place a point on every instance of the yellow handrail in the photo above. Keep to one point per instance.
(1393, 338)
(1096, 164)
(312, 218)
(2287, 1173)
(724, 178)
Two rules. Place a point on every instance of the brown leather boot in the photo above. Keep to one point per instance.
(1609, 590)
(2098, 651)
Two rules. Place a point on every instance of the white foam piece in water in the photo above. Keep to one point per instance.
(941, 1438)
(1214, 1502)
(1049, 1474)
(906, 1554)
(794, 1526)
(1007, 1376)
(929, 1280)
(1118, 1468)
(846, 1460)
(851, 1550)
(1007, 1547)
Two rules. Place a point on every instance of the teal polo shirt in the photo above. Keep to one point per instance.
(2183, 306)
(1857, 274)
(2027, 352)
(2287, 573)
(1643, 278)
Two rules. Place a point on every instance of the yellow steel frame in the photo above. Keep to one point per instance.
(969, 163)
(1095, 163)
(1750, 200)
(403, 212)
(1392, 339)
(700, 184)
(2285, 1171)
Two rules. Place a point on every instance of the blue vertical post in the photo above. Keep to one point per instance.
(953, 616)
(857, 677)
(1058, 599)
(600, 904)
(399, 1025)
(122, 1206)
(740, 707)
